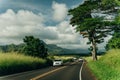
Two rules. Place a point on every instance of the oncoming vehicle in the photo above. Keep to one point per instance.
(57, 62)
(80, 59)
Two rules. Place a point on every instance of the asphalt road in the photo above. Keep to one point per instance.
(66, 72)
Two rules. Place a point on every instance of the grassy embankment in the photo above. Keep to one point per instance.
(107, 67)
(13, 63)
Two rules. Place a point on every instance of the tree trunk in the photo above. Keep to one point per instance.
(94, 51)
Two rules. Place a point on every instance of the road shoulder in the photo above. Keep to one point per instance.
(87, 73)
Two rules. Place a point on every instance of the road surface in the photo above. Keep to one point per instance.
(67, 72)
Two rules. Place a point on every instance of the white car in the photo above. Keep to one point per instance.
(57, 62)
(80, 59)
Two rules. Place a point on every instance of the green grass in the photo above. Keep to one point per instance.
(14, 62)
(107, 67)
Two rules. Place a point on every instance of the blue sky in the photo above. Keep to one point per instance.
(35, 5)
(45, 19)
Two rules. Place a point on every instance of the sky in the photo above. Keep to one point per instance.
(44, 19)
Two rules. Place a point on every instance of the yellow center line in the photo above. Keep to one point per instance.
(47, 73)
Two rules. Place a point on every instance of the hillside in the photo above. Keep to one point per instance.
(108, 66)
(52, 49)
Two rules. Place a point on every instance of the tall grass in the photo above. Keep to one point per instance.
(14, 62)
(108, 66)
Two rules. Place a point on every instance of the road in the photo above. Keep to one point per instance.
(67, 72)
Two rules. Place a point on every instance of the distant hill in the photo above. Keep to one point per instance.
(52, 49)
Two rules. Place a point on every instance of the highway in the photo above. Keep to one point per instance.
(69, 71)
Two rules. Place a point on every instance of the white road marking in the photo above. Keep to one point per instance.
(80, 73)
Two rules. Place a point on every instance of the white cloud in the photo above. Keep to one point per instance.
(66, 35)
(15, 26)
(59, 11)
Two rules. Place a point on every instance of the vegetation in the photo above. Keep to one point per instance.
(114, 43)
(35, 47)
(12, 48)
(92, 26)
(107, 67)
(14, 62)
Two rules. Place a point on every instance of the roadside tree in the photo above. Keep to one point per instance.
(94, 19)
(34, 47)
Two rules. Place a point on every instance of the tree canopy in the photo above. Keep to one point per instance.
(35, 47)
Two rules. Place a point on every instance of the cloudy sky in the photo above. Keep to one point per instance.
(44, 19)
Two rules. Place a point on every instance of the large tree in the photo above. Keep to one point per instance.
(90, 19)
(35, 47)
